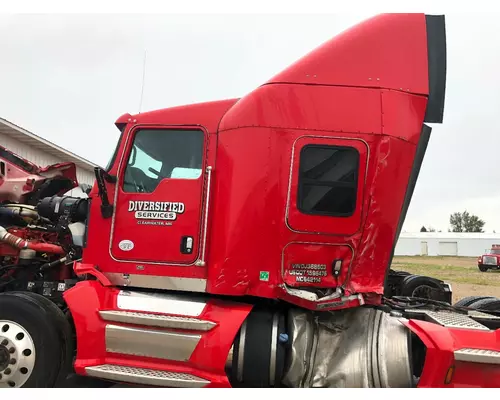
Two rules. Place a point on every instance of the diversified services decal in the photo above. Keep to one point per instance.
(156, 210)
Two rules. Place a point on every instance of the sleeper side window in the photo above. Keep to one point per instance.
(157, 154)
(328, 180)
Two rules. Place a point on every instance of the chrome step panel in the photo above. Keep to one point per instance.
(160, 303)
(157, 320)
(143, 376)
(451, 319)
(150, 343)
(477, 356)
(482, 315)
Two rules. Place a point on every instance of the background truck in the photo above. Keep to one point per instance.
(489, 260)
(248, 242)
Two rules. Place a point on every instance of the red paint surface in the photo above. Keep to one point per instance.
(441, 342)
(247, 220)
(298, 254)
(387, 51)
(159, 244)
(367, 87)
(207, 361)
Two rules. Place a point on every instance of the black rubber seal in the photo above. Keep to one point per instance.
(436, 61)
(257, 352)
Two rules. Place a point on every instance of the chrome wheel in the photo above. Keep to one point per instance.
(17, 354)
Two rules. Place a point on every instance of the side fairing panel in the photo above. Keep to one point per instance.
(156, 333)
(391, 79)
(445, 350)
(252, 177)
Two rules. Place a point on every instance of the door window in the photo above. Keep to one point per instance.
(158, 154)
(328, 180)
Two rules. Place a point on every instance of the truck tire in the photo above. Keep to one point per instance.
(482, 268)
(469, 300)
(418, 286)
(32, 341)
(487, 304)
(66, 334)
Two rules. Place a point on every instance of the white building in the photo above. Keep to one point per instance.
(42, 152)
(445, 244)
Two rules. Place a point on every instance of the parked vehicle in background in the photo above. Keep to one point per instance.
(490, 259)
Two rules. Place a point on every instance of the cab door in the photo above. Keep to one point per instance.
(158, 205)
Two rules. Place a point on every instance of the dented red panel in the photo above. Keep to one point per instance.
(314, 265)
(402, 115)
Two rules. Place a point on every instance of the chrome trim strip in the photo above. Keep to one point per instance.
(143, 376)
(160, 303)
(150, 343)
(274, 348)
(201, 261)
(229, 359)
(241, 351)
(157, 282)
(477, 356)
(157, 320)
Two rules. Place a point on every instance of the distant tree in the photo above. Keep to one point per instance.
(427, 229)
(466, 222)
(423, 229)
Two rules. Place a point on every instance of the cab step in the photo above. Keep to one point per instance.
(143, 376)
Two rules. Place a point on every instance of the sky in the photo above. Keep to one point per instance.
(67, 78)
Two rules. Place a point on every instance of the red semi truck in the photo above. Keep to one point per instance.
(247, 242)
(490, 259)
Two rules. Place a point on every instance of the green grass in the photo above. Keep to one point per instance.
(451, 273)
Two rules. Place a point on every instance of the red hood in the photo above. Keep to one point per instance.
(23, 181)
(491, 255)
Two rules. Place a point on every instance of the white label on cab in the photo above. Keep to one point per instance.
(126, 245)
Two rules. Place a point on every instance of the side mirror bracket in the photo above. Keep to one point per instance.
(101, 175)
